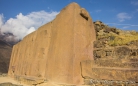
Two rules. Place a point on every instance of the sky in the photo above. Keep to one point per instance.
(22, 17)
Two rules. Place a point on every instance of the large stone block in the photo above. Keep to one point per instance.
(55, 50)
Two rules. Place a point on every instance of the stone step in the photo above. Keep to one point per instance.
(115, 73)
(90, 69)
(98, 82)
(115, 63)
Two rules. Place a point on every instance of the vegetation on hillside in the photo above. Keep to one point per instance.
(113, 36)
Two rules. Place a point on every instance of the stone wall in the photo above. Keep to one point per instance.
(117, 52)
(119, 63)
(114, 70)
(55, 50)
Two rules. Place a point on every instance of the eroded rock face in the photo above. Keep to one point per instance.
(55, 50)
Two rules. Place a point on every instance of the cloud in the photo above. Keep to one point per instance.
(98, 11)
(122, 24)
(125, 27)
(134, 3)
(123, 16)
(25, 24)
(1, 20)
(48, 7)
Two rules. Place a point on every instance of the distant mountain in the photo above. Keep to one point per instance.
(9, 38)
(5, 54)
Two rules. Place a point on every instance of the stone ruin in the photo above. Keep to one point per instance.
(62, 52)
(55, 50)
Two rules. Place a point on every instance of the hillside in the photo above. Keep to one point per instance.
(9, 38)
(111, 36)
(5, 53)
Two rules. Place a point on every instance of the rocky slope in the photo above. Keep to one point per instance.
(111, 36)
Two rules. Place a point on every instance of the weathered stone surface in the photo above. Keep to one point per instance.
(123, 70)
(86, 69)
(118, 61)
(122, 52)
(55, 50)
(102, 82)
(118, 52)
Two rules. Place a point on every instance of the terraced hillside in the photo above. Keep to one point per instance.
(112, 36)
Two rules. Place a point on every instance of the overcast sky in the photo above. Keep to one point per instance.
(21, 17)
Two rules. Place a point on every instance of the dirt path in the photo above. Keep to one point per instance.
(11, 80)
